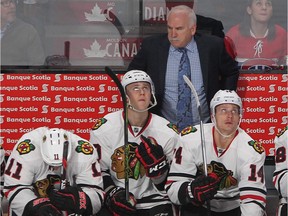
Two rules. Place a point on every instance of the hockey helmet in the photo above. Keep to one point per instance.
(52, 146)
(137, 76)
(223, 97)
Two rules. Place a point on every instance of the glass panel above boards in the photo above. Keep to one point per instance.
(102, 32)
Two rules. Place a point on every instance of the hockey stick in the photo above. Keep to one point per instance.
(126, 147)
(189, 83)
(64, 166)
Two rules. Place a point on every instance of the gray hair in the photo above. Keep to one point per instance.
(184, 9)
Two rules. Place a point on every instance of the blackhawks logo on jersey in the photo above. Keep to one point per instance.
(98, 123)
(135, 168)
(188, 130)
(84, 147)
(173, 127)
(25, 147)
(282, 131)
(257, 146)
(224, 175)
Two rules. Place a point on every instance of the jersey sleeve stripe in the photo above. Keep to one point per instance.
(253, 189)
(250, 196)
(279, 172)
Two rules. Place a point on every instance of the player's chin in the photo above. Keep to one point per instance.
(231, 128)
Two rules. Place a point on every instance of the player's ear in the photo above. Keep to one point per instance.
(193, 29)
(212, 118)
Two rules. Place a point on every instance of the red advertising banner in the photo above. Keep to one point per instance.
(75, 101)
(265, 100)
(70, 101)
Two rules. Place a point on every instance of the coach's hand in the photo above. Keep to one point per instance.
(116, 202)
(203, 188)
(41, 206)
(151, 155)
(71, 199)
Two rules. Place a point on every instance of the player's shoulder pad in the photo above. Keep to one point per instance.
(173, 127)
(25, 146)
(188, 130)
(99, 122)
(282, 131)
(257, 146)
(85, 147)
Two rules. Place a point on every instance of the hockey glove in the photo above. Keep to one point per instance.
(116, 202)
(151, 155)
(72, 200)
(203, 188)
(41, 206)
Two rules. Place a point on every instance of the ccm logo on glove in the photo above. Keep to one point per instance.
(158, 167)
(152, 157)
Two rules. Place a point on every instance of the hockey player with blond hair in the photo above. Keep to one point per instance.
(151, 143)
(235, 183)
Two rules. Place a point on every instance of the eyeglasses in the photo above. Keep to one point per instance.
(7, 3)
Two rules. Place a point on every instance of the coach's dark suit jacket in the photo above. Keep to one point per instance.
(215, 63)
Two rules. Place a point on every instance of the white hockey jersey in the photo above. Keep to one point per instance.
(108, 136)
(280, 176)
(25, 170)
(240, 166)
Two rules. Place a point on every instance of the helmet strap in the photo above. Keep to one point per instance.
(129, 105)
(224, 135)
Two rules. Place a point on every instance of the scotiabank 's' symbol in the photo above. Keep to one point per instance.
(272, 88)
(284, 78)
(57, 78)
(58, 120)
(271, 131)
(284, 99)
(45, 109)
(101, 109)
(102, 88)
(284, 120)
(272, 109)
(57, 98)
(114, 99)
(45, 88)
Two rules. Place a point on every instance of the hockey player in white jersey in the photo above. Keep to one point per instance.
(151, 142)
(280, 175)
(235, 184)
(34, 172)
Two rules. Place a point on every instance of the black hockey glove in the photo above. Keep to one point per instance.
(203, 188)
(116, 202)
(41, 207)
(72, 200)
(151, 155)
